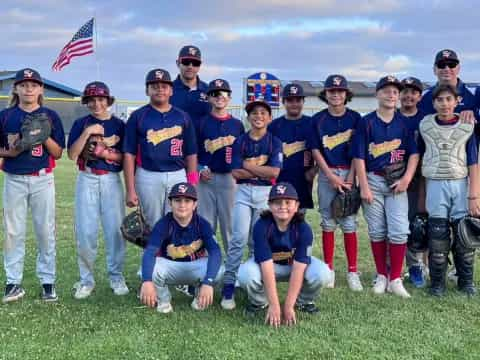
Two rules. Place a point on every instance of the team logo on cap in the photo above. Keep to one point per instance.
(409, 81)
(192, 51)
(391, 78)
(293, 90)
(159, 74)
(446, 53)
(281, 189)
(28, 73)
(337, 81)
(182, 189)
(218, 83)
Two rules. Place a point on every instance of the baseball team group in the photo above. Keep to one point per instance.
(190, 165)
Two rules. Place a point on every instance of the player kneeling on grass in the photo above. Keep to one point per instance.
(95, 143)
(181, 250)
(450, 158)
(282, 242)
(386, 157)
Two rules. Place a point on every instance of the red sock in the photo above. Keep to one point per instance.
(328, 245)
(379, 250)
(397, 254)
(351, 249)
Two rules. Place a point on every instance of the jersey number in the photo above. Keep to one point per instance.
(228, 154)
(176, 147)
(37, 150)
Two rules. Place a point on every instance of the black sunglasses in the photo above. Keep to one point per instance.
(443, 65)
(188, 62)
(218, 93)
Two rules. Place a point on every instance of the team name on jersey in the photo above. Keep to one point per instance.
(111, 140)
(156, 137)
(377, 150)
(282, 255)
(216, 144)
(330, 142)
(259, 160)
(181, 251)
(293, 148)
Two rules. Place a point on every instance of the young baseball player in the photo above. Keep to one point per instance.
(382, 139)
(181, 250)
(282, 242)
(409, 97)
(29, 182)
(450, 157)
(257, 160)
(293, 129)
(216, 135)
(330, 142)
(99, 190)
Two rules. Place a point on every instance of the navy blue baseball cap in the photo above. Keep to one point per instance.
(249, 107)
(335, 82)
(97, 88)
(389, 80)
(158, 75)
(218, 85)
(292, 90)
(28, 74)
(412, 82)
(283, 190)
(446, 55)
(190, 52)
(183, 189)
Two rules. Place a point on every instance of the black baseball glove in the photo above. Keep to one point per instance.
(135, 229)
(346, 204)
(35, 129)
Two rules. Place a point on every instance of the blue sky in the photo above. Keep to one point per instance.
(295, 40)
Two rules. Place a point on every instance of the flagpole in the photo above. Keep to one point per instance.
(96, 46)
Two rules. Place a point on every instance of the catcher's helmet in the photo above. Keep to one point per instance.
(97, 88)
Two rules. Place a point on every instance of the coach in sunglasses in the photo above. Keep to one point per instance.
(446, 69)
(189, 92)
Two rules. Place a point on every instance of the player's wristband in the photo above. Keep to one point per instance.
(193, 178)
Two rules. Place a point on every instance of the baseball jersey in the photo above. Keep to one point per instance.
(297, 158)
(215, 142)
(413, 122)
(28, 162)
(380, 143)
(172, 241)
(114, 130)
(332, 136)
(282, 246)
(193, 102)
(160, 141)
(264, 152)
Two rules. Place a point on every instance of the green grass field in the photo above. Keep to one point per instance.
(349, 326)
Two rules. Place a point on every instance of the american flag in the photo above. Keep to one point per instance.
(81, 44)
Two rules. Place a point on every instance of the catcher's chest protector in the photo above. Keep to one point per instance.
(445, 149)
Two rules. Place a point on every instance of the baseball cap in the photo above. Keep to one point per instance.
(183, 189)
(389, 80)
(190, 52)
(412, 82)
(446, 55)
(282, 190)
(158, 75)
(28, 74)
(249, 107)
(97, 88)
(218, 85)
(292, 90)
(336, 82)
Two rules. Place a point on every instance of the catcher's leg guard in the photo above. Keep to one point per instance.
(439, 246)
(464, 259)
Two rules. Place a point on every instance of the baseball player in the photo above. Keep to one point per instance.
(189, 92)
(216, 135)
(450, 157)
(99, 191)
(256, 161)
(282, 242)
(382, 141)
(292, 129)
(330, 142)
(29, 182)
(181, 250)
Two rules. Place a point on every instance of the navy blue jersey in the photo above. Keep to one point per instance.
(467, 100)
(215, 142)
(297, 158)
(332, 136)
(264, 152)
(160, 141)
(193, 102)
(380, 143)
(172, 241)
(413, 122)
(282, 246)
(30, 161)
(114, 130)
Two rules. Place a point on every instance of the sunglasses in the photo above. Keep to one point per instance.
(188, 62)
(219, 93)
(443, 65)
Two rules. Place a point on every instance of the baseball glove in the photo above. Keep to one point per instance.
(394, 172)
(93, 148)
(418, 239)
(135, 229)
(35, 129)
(469, 232)
(346, 204)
